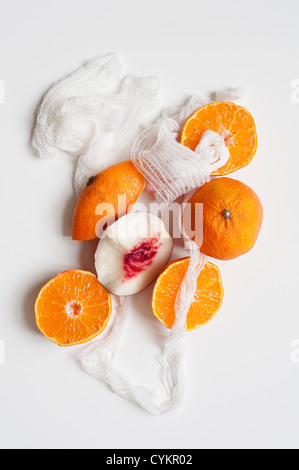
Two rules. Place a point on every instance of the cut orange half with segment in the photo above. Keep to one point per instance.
(72, 308)
(234, 123)
(208, 298)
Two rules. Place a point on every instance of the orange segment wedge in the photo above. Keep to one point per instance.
(72, 308)
(231, 121)
(208, 298)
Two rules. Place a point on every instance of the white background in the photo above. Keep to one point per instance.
(244, 385)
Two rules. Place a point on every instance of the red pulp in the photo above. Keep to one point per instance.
(140, 258)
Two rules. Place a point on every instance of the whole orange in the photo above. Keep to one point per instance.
(232, 217)
(100, 202)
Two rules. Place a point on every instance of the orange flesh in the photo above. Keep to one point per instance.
(208, 298)
(231, 121)
(72, 308)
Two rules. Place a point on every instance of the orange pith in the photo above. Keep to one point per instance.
(72, 308)
(208, 298)
(232, 122)
(99, 202)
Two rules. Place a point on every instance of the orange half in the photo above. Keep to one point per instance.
(208, 298)
(231, 121)
(72, 308)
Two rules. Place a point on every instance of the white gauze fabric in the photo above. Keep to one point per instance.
(95, 114)
(99, 359)
(171, 168)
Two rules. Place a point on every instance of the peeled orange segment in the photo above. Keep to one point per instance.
(72, 308)
(208, 298)
(234, 123)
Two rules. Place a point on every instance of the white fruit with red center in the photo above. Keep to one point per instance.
(132, 253)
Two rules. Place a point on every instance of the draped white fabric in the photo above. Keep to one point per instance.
(96, 114)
